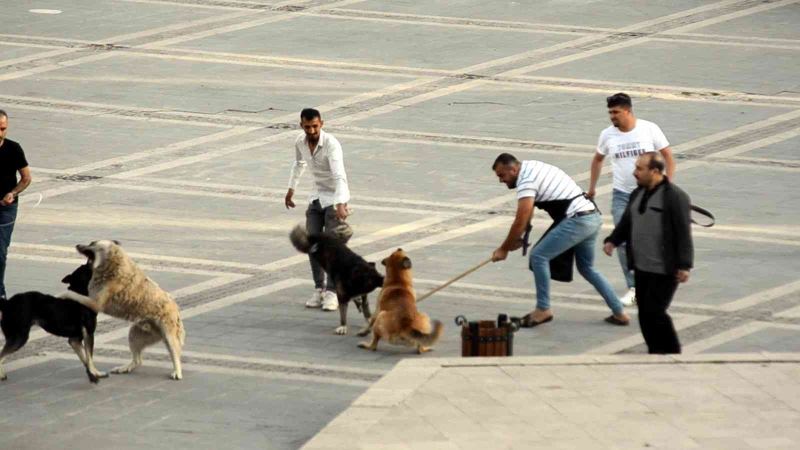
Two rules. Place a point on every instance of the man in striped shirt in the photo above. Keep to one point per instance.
(576, 225)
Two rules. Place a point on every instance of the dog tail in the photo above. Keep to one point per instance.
(299, 238)
(428, 339)
(181, 332)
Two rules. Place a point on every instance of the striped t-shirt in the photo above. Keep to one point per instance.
(545, 182)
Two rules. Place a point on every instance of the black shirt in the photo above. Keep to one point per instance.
(12, 159)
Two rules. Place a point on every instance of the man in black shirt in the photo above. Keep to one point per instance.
(656, 226)
(12, 161)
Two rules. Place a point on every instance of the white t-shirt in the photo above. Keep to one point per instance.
(624, 148)
(327, 165)
(545, 182)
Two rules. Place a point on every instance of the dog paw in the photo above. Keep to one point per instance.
(122, 370)
(176, 376)
(4, 378)
(341, 331)
(364, 345)
(364, 332)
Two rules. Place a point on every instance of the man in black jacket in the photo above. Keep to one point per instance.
(656, 227)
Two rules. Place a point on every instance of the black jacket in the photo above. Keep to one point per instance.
(677, 225)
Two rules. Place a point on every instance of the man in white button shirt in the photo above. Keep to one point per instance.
(624, 141)
(327, 207)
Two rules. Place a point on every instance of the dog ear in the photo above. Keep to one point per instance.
(383, 261)
(406, 263)
(116, 242)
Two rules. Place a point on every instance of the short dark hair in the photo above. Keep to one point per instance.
(655, 161)
(505, 159)
(3, 114)
(310, 114)
(619, 99)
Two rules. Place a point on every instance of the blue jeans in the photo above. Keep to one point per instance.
(579, 233)
(8, 215)
(619, 201)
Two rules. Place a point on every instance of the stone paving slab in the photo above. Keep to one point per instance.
(713, 401)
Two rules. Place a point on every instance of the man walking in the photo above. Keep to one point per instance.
(656, 226)
(576, 224)
(12, 161)
(329, 196)
(626, 139)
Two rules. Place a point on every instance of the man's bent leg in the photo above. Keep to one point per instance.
(555, 242)
(584, 259)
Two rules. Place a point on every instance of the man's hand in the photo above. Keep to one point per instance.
(341, 211)
(682, 276)
(591, 193)
(499, 254)
(8, 199)
(608, 248)
(288, 200)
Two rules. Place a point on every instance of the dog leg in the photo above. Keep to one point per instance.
(141, 335)
(342, 329)
(12, 344)
(78, 348)
(88, 348)
(376, 335)
(373, 345)
(82, 299)
(174, 347)
(10, 347)
(422, 349)
(367, 316)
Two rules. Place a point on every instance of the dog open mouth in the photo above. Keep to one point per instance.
(86, 251)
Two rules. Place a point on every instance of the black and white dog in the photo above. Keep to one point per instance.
(56, 316)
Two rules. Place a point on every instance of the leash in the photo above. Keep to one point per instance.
(706, 213)
(19, 203)
(453, 280)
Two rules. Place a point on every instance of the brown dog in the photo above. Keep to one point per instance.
(397, 319)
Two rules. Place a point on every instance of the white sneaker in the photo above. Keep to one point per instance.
(316, 299)
(330, 302)
(629, 299)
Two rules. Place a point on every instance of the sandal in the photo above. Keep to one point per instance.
(614, 321)
(527, 321)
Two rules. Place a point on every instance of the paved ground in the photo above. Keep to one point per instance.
(744, 401)
(167, 124)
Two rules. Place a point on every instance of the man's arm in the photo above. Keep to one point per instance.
(342, 192)
(512, 241)
(682, 224)
(669, 161)
(24, 182)
(596, 169)
(298, 166)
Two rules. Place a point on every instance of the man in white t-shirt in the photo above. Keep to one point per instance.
(327, 208)
(626, 139)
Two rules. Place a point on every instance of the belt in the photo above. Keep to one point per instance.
(584, 213)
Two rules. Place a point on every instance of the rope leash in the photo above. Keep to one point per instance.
(19, 203)
(453, 280)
